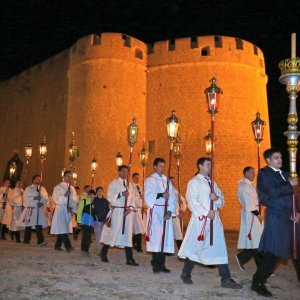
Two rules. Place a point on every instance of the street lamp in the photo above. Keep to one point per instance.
(28, 154)
(12, 170)
(94, 167)
(43, 152)
(143, 155)
(63, 172)
(208, 143)
(119, 159)
(132, 133)
(213, 97)
(290, 76)
(73, 150)
(74, 176)
(172, 130)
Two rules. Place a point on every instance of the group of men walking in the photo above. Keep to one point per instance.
(120, 220)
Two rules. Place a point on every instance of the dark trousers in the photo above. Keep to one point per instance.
(128, 252)
(245, 255)
(137, 241)
(158, 260)
(178, 243)
(17, 235)
(266, 265)
(63, 239)
(223, 269)
(86, 237)
(39, 234)
(3, 231)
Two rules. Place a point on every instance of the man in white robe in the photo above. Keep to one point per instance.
(112, 235)
(196, 246)
(251, 221)
(4, 190)
(138, 224)
(65, 199)
(177, 217)
(15, 197)
(35, 199)
(160, 199)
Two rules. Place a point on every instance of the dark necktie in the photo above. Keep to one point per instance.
(208, 180)
(138, 188)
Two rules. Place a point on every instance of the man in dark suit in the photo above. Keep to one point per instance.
(275, 190)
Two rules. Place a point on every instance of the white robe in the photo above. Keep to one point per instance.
(3, 201)
(198, 199)
(113, 235)
(15, 197)
(177, 228)
(50, 210)
(248, 198)
(62, 218)
(156, 184)
(31, 215)
(138, 223)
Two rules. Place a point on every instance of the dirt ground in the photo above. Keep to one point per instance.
(32, 272)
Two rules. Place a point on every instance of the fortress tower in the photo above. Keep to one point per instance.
(101, 82)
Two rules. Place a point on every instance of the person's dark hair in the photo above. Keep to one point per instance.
(6, 179)
(91, 192)
(158, 160)
(35, 176)
(67, 172)
(247, 169)
(86, 186)
(77, 188)
(269, 152)
(99, 188)
(122, 167)
(202, 160)
(134, 174)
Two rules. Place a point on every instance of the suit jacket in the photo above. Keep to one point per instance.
(276, 194)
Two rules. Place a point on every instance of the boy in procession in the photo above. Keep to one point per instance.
(159, 197)
(3, 204)
(65, 198)
(196, 246)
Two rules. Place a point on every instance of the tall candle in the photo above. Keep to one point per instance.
(293, 50)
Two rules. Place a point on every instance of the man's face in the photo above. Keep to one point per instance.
(92, 196)
(67, 178)
(37, 180)
(275, 161)
(87, 189)
(159, 169)
(99, 193)
(123, 173)
(206, 167)
(136, 179)
(6, 183)
(250, 175)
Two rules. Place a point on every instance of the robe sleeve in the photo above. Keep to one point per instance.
(150, 193)
(112, 193)
(28, 198)
(44, 196)
(221, 201)
(172, 199)
(131, 197)
(245, 195)
(73, 200)
(59, 196)
(194, 203)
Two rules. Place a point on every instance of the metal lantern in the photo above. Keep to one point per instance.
(143, 155)
(177, 149)
(74, 174)
(258, 128)
(94, 165)
(28, 151)
(172, 126)
(132, 132)
(73, 149)
(43, 148)
(119, 159)
(62, 172)
(12, 169)
(213, 96)
(208, 143)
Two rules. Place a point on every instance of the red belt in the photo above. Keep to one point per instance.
(201, 235)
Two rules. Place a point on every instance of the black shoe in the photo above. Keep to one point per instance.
(231, 284)
(58, 249)
(139, 249)
(261, 290)
(165, 270)
(187, 279)
(70, 249)
(156, 270)
(103, 257)
(132, 263)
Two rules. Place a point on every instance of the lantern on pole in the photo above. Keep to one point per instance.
(94, 167)
(290, 76)
(73, 150)
(28, 154)
(74, 176)
(132, 133)
(143, 155)
(43, 152)
(213, 98)
(208, 143)
(62, 172)
(12, 170)
(119, 159)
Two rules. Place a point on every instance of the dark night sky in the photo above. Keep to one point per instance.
(31, 31)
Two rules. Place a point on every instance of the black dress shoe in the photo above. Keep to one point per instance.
(187, 279)
(58, 249)
(132, 263)
(261, 290)
(165, 270)
(139, 249)
(156, 270)
(103, 257)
